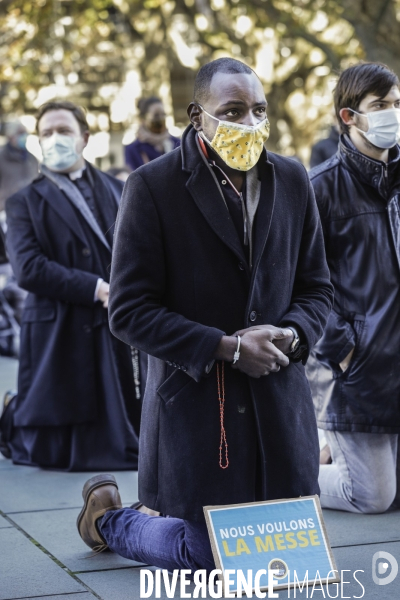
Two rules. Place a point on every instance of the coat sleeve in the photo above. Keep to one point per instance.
(138, 285)
(339, 337)
(34, 271)
(312, 295)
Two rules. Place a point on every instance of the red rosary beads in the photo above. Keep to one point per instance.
(221, 399)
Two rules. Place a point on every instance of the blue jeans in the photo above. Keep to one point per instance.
(167, 543)
(362, 477)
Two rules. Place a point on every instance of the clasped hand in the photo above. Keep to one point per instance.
(103, 292)
(263, 349)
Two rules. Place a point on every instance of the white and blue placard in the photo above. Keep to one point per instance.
(287, 535)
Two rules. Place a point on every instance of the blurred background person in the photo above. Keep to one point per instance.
(76, 407)
(325, 148)
(121, 173)
(9, 327)
(18, 167)
(153, 138)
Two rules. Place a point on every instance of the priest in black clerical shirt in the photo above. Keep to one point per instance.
(77, 406)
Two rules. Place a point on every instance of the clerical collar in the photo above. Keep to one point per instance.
(76, 174)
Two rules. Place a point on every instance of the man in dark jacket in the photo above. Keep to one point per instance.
(18, 167)
(75, 408)
(218, 252)
(355, 374)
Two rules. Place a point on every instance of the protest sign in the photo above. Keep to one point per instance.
(287, 536)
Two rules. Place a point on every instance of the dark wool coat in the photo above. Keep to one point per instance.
(179, 280)
(359, 203)
(58, 259)
(17, 169)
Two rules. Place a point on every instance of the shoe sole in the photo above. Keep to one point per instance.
(92, 484)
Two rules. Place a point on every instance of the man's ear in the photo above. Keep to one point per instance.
(194, 113)
(85, 135)
(347, 116)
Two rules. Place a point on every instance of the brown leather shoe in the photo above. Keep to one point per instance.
(100, 494)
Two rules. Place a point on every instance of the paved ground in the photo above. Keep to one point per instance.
(42, 556)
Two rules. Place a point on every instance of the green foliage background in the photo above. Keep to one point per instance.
(88, 49)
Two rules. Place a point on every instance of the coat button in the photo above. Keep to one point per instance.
(253, 315)
(241, 266)
(86, 252)
(87, 328)
(184, 369)
(241, 409)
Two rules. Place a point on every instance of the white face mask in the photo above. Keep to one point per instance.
(383, 127)
(59, 152)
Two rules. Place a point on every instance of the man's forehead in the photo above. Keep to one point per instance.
(240, 88)
(393, 94)
(56, 117)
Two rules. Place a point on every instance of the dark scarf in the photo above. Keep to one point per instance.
(73, 194)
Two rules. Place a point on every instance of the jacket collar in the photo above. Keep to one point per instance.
(375, 173)
(205, 192)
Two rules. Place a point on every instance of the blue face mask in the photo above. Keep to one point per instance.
(21, 141)
(59, 152)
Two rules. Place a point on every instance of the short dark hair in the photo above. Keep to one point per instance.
(76, 110)
(145, 103)
(356, 82)
(206, 73)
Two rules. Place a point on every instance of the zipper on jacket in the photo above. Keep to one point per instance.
(386, 180)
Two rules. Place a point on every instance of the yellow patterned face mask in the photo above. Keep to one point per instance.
(238, 145)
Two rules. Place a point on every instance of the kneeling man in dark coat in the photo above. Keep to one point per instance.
(76, 408)
(219, 274)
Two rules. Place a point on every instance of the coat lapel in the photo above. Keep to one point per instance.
(61, 205)
(107, 199)
(264, 213)
(205, 193)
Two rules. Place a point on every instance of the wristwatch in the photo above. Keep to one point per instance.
(296, 340)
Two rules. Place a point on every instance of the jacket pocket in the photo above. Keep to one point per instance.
(359, 328)
(173, 385)
(338, 339)
(39, 314)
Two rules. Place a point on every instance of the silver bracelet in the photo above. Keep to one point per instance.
(236, 356)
